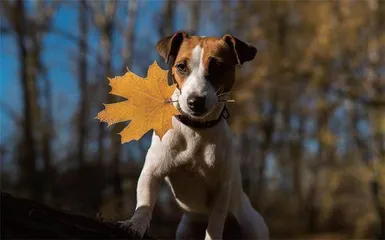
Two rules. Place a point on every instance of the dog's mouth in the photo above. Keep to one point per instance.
(192, 114)
(221, 99)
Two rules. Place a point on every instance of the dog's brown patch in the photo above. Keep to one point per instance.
(218, 61)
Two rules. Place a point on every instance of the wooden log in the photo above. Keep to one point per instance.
(24, 218)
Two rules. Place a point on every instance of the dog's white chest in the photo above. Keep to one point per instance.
(193, 162)
(194, 181)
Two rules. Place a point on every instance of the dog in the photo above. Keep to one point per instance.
(196, 157)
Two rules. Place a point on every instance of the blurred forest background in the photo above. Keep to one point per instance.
(309, 117)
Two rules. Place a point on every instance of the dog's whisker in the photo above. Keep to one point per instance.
(227, 101)
(224, 93)
(218, 89)
(170, 101)
(223, 97)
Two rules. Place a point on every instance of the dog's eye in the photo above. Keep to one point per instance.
(181, 67)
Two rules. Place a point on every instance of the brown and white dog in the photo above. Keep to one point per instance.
(196, 156)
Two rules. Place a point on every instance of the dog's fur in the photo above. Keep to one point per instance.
(198, 164)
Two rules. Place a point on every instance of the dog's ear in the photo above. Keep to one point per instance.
(243, 51)
(168, 47)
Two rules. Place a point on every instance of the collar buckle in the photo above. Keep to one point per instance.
(225, 114)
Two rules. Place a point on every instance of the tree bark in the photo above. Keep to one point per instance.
(375, 115)
(268, 128)
(104, 20)
(116, 143)
(193, 23)
(82, 81)
(166, 26)
(28, 158)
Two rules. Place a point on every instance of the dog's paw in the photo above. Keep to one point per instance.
(208, 237)
(138, 228)
(211, 236)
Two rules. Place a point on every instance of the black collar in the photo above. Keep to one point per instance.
(199, 124)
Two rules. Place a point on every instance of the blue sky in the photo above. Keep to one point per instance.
(57, 56)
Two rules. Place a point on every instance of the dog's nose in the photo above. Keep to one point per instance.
(196, 103)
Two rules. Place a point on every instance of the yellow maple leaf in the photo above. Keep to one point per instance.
(147, 105)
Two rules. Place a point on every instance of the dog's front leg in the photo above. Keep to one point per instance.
(147, 194)
(219, 212)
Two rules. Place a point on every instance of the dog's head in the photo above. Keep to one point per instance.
(204, 68)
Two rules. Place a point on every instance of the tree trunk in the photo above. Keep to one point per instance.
(268, 128)
(47, 136)
(193, 23)
(166, 26)
(82, 81)
(104, 18)
(28, 158)
(376, 115)
(297, 152)
(116, 143)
